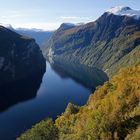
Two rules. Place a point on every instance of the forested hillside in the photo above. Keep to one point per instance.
(111, 113)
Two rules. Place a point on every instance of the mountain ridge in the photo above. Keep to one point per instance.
(102, 43)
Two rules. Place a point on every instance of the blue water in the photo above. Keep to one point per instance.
(55, 92)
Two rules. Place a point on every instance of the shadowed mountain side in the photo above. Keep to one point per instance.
(22, 66)
(20, 90)
(20, 56)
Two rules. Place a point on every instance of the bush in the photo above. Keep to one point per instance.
(45, 130)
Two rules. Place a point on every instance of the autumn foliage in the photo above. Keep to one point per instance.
(111, 113)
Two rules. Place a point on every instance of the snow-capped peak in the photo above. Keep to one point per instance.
(124, 11)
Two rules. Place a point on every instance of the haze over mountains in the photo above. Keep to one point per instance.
(39, 35)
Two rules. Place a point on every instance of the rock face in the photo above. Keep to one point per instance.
(109, 43)
(20, 57)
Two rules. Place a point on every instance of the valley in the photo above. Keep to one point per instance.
(73, 77)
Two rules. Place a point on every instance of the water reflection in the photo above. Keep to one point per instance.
(61, 84)
(87, 76)
(18, 91)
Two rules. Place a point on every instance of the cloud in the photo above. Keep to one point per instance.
(39, 25)
(73, 18)
(67, 17)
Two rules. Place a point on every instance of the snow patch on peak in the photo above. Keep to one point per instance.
(117, 9)
(124, 11)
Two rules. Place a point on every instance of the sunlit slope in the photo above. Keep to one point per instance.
(111, 113)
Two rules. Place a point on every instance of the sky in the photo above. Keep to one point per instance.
(49, 14)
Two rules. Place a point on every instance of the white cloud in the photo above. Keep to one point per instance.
(33, 19)
(66, 17)
(39, 25)
(73, 18)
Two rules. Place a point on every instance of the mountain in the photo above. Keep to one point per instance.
(40, 36)
(109, 43)
(20, 57)
(9, 26)
(124, 11)
(66, 26)
(111, 113)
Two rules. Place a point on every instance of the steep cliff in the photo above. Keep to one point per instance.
(20, 57)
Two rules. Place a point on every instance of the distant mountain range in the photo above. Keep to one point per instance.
(109, 43)
(39, 35)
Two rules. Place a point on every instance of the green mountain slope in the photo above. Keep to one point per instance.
(104, 43)
(111, 113)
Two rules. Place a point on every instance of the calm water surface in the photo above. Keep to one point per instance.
(57, 89)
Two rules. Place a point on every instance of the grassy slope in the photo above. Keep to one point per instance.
(111, 113)
(133, 58)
